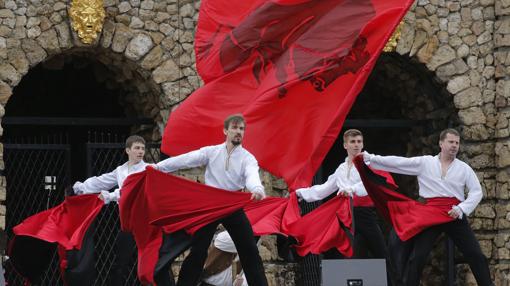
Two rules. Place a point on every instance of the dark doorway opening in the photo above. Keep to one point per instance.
(63, 124)
(47, 100)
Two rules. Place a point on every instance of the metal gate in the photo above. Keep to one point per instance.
(37, 175)
(102, 158)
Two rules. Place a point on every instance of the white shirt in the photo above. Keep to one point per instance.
(232, 172)
(224, 242)
(459, 176)
(345, 177)
(224, 278)
(105, 182)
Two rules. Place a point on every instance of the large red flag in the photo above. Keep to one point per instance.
(292, 67)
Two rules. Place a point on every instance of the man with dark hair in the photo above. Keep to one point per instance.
(135, 149)
(234, 118)
(230, 167)
(125, 244)
(346, 181)
(442, 180)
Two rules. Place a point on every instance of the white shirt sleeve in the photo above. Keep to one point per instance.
(474, 195)
(251, 173)
(189, 160)
(93, 185)
(319, 192)
(401, 165)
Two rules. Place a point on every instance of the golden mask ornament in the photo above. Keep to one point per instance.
(87, 18)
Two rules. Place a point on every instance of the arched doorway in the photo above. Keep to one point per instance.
(67, 120)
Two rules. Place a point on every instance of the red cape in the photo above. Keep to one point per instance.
(407, 216)
(321, 229)
(178, 203)
(134, 217)
(64, 225)
(411, 217)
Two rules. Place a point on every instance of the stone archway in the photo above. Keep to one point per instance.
(146, 45)
(463, 43)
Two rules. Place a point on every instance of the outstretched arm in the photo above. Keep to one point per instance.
(189, 160)
(94, 185)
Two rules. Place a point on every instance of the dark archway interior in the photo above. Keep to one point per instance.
(71, 90)
(52, 92)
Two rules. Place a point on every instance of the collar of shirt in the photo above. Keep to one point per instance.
(126, 170)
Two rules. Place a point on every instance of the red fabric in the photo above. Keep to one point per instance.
(266, 215)
(293, 68)
(364, 201)
(321, 229)
(272, 215)
(64, 224)
(411, 217)
(380, 187)
(178, 203)
(292, 213)
(407, 216)
(134, 217)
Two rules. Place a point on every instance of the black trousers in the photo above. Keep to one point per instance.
(399, 255)
(368, 235)
(240, 230)
(125, 247)
(463, 237)
(173, 245)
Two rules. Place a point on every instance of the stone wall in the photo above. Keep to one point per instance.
(146, 48)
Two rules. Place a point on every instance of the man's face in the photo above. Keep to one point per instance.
(235, 133)
(136, 152)
(450, 145)
(353, 145)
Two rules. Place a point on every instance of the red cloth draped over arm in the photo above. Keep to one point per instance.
(407, 216)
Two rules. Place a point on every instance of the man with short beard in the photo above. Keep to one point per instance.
(442, 180)
(230, 167)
